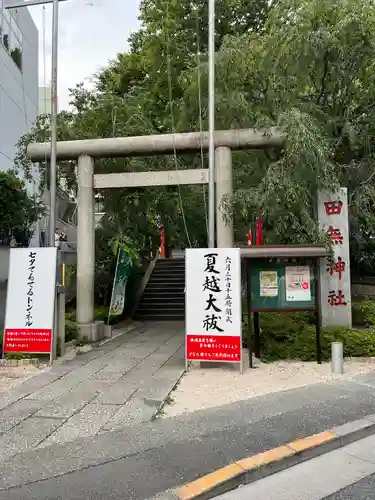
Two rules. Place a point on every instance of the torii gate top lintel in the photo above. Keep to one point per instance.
(150, 145)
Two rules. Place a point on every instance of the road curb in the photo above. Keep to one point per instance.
(263, 464)
(165, 397)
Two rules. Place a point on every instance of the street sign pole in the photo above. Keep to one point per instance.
(53, 176)
(211, 123)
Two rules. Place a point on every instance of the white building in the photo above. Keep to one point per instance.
(18, 79)
(18, 100)
(20, 104)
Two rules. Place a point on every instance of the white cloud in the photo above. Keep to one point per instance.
(90, 33)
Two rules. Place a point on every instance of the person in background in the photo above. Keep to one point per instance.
(57, 238)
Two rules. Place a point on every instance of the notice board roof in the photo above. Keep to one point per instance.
(283, 251)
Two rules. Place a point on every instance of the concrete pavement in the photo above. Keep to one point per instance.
(146, 460)
(347, 473)
(121, 383)
(360, 490)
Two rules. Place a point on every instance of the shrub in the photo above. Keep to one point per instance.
(70, 330)
(100, 314)
(293, 336)
(279, 325)
(70, 316)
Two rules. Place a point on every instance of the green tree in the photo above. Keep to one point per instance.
(309, 71)
(18, 210)
(306, 67)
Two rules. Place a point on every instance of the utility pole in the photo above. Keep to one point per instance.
(211, 123)
(53, 164)
(16, 4)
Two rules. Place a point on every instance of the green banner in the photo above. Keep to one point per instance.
(124, 268)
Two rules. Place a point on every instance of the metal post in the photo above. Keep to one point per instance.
(53, 176)
(53, 354)
(61, 297)
(318, 312)
(55, 331)
(211, 123)
(337, 364)
(249, 301)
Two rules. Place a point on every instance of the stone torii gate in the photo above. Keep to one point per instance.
(85, 151)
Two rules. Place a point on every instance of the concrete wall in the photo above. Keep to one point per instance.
(363, 287)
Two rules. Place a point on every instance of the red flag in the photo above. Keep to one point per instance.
(162, 243)
(249, 238)
(259, 232)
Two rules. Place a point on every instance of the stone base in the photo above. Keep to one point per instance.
(107, 331)
(20, 362)
(92, 332)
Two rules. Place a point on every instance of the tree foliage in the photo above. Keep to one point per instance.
(18, 210)
(305, 66)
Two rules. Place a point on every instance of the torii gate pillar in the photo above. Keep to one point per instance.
(224, 191)
(85, 246)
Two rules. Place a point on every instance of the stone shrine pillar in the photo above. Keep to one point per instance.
(87, 328)
(223, 188)
(335, 284)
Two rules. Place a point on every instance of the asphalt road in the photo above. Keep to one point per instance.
(142, 461)
(344, 474)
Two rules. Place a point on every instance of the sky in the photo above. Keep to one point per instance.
(91, 32)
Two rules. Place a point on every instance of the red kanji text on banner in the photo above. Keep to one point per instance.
(27, 340)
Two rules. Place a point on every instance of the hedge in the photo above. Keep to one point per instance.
(292, 336)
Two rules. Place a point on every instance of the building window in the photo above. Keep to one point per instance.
(10, 34)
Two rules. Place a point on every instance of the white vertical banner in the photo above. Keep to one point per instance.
(213, 305)
(335, 285)
(29, 315)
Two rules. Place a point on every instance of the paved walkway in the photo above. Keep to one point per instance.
(121, 383)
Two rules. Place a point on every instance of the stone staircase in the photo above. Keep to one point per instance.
(164, 296)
